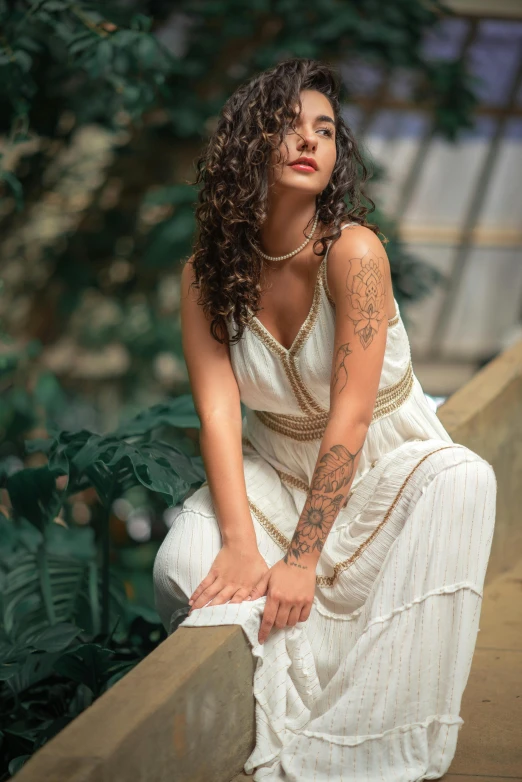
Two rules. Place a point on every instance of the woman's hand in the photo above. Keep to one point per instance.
(290, 592)
(234, 572)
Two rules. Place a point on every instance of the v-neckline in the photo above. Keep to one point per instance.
(308, 321)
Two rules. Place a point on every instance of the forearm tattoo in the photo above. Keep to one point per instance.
(341, 372)
(366, 291)
(333, 473)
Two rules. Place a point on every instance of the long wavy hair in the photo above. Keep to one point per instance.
(232, 202)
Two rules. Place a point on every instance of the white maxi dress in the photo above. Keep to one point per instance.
(369, 687)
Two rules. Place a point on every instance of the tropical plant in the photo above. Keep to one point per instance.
(67, 630)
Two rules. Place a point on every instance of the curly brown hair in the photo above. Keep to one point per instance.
(232, 202)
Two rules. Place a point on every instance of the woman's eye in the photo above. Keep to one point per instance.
(329, 131)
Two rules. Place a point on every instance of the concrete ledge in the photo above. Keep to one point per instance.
(185, 713)
(486, 416)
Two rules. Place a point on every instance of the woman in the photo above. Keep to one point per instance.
(340, 526)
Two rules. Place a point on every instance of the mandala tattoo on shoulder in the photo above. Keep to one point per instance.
(367, 294)
(324, 499)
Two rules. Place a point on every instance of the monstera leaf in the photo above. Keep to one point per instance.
(179, 412)
(113, 464)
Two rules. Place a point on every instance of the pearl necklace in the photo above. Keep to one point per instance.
(289, 255)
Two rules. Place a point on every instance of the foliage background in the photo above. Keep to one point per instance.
(103, 109)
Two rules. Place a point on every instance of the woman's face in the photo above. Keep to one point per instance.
(313, 136)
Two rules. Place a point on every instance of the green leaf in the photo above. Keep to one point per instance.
(45, 584)
(82, 42)
(24, 60)
(89, 664)
(56, 638)
(147, 50)
(178, 411)
(16, 764)
(33, 494)
(35, 668)
(104, 54)
(141, 22)
(125, 38)
(94, 600)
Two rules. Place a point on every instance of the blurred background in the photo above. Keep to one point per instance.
(103, 110)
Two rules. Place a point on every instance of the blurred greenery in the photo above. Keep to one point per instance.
(103, 110)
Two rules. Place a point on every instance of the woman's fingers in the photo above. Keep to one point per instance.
(204, 584)
(305, 613)
(281, 619)
(208, 593)
(293, 616)
(240, 595)
(223, 596)
(269, 615)
(260, 588)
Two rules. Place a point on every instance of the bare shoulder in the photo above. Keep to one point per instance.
(356, 262)
(187, 277)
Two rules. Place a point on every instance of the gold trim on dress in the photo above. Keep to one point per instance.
(329, 581)
(292, 480)
(339, 567)
(392, 397)
(298, 427)
(288, 356)
(312, 427)
(281, 540)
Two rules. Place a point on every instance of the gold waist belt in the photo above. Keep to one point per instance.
(312, 427)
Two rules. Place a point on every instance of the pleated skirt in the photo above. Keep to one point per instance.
(369, 687)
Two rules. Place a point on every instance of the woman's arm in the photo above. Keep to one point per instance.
(360, 284)
(238, 565)
(216, 398)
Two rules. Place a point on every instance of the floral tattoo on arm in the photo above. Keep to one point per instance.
(367, 294)
(334, 472)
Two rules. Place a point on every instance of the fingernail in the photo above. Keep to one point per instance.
(190, 602)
